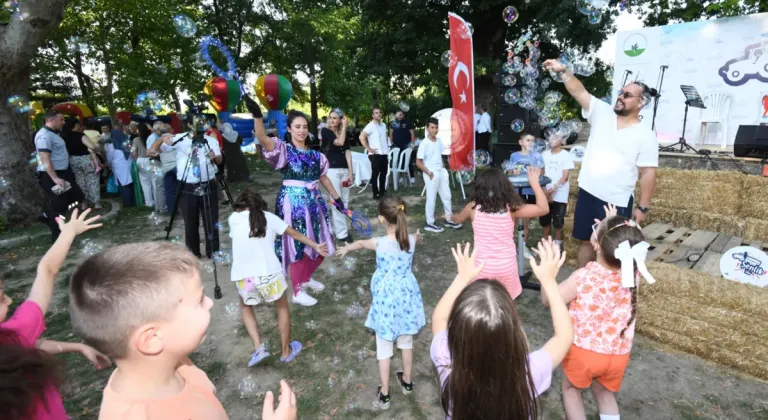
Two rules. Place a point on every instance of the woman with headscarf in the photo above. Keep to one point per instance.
(146, 172)
(237, 168)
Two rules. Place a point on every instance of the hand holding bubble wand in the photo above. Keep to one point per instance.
(361, 223)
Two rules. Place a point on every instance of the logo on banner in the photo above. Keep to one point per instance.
(753, 64)
(461, 84)
(745, 264)
(635, 45)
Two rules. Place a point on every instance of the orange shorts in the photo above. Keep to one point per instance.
(581, 367)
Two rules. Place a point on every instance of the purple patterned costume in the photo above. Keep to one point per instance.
(300, 203)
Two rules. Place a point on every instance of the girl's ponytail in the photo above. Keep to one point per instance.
(392, 209)
(251, 200)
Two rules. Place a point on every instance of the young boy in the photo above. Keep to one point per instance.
(143, 304)
(557, 166)
(429, 159)
(519, 162)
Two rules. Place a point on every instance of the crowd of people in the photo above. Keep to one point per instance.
(144, 306)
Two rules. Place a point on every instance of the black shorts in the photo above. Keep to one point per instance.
(556, 216)
(589, 208)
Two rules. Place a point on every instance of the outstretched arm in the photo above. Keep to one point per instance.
(258, 124)
(354, 246)
(321, 249)
(572, 84)
(467, 271)
(57, 347)
(465, 214)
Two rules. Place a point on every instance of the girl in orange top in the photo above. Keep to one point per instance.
(493, 209)
(603, 309)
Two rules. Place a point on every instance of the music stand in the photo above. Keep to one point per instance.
(692, 98)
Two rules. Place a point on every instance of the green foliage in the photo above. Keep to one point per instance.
(663, 12)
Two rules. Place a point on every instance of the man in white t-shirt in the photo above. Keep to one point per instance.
(374, 139)
(483, 128)
(429, 158)
(620, 148)
(557, 166)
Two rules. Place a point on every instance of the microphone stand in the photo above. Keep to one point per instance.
(626, 76)
(659, 83)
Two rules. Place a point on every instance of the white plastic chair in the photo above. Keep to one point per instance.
(718, 108)
(402, 167)
(392, 157)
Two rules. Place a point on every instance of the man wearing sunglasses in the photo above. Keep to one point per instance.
(621, 149)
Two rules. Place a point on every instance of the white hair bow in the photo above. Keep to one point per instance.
(626, 255)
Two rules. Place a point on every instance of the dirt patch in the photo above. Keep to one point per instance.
(336, 375)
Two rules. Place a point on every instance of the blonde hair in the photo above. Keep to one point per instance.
(114, 292)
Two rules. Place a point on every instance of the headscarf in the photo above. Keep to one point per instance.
(229, 133)
(120, 142)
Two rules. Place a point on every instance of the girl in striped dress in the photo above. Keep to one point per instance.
(493, 210)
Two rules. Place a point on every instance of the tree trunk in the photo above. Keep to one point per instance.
(83, 82)
(21, 199)
(313, 98)
(111, 108)
(176, 101)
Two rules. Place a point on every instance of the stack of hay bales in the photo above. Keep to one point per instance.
(713, 318)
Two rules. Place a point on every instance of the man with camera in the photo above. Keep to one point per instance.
(197, 156)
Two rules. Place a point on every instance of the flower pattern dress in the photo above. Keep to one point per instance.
(397, 308)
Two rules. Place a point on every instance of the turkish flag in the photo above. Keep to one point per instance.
(461, 80)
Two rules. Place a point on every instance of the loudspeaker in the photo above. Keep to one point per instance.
(751, 141)
(502, 152)
(509, 113)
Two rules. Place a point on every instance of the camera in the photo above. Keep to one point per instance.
(195, 117)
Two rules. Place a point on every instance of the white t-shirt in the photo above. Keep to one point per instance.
(377, 137)
(253, 257)
(554, 165)
(485, 123)
(431, 152)
(206, 169)
(609, 168)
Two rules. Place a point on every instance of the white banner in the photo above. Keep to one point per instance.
(724, 56)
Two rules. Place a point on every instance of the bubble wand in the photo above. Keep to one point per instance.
(361, 223)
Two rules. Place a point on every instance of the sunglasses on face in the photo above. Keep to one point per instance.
(627, 95)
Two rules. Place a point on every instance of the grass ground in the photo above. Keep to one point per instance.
(336, 375)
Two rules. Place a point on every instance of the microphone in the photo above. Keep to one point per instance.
(665, 66)
(654, 93)
(628, 71)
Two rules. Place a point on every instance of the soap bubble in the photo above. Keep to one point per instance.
(534, 53)
(480, 157)
(162, 69)
(466, 30)
(176, 239)
(185, 26)
(360, 291)
(311, 325)
(509, 80)
(4, 183)
(506, 166)
(247, 386)
(91, 247)
(336, 358)
(427, 260)
(208, 268)
(355, 310)
(19, 104)
(539, 146)
(563, 130)
(560, 77)
(623, 5)
(545, 83)
(448, 58)
(176, 63)
(156, 219)
(531, 71)
(511, 96)
(598, 4)
(232, 310)
(337, 296)
(362, 354)
(510, 14)
(127, 48)
(331, 269)
(331, 382)
(584, 7)
(518, 125)
(404, 106)
(507, 67)
(595, 16)
(552, 98)
(78, 44)
(465, 176)
(585, 68)
(223, 257)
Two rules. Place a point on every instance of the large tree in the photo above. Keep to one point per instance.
(21, 198)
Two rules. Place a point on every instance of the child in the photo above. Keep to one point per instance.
(479, 347)
(144, 305)
(493, 210)
(429, 159)
(557, 166)
(28, 389)
(397, 312)
(520, 162)
(603, 308)
(258, 272)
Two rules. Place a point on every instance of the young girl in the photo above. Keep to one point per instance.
(257, 271)
(493, 210)
(397, 312)
(299, 202)
(603, 308)
(28, 384)
(479, 347)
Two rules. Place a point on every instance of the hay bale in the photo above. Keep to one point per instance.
(730, 224)
(755, 229)
(696, 177)
(752, 198)
(706, 290)
(751, 366)
(713, 197)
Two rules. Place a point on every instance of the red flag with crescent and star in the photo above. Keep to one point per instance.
(462, 83)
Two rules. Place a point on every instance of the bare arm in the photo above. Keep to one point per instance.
(364, 142)
(328, 185)
(340, 139)
(261, 134)
(45, 160)
(647, 184)
(466, 213)
(423, 168)
(567, 291)
(572, 84)
(467, 271)
(413, 135)
(58, 347)
(542, 206)
(348, 157)
(293, 233)
(369, 244)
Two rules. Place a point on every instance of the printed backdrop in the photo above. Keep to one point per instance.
(727, 55)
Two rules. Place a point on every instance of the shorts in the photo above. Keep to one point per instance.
(267, 288)
(385, 349)
(589, 208)
(529, 198)
(556, 216)
(582, 366)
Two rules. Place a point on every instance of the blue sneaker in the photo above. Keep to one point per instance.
(295, 350)
(260, 354)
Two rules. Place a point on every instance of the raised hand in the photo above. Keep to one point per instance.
(321, 249)
(550, 261)
(286, 410)
(533, 175)
(99, 359)
(419, 236)
(466, 263)
(554, 65)
(78, 224)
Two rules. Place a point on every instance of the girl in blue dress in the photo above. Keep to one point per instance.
(397, 312)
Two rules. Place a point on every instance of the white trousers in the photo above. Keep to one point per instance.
(158, 192)
(337, 177)
(439, 185)
(145, 178)
(385, 349)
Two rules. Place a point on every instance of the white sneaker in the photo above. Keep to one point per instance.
(303, 299)
(526, 253)
(413, 180)
(314, 285)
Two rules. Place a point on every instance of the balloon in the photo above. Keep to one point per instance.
(224, 93)
(274, 91)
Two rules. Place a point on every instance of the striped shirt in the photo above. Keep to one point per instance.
(495, 245)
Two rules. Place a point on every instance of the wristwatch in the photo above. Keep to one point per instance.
(643, 209)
